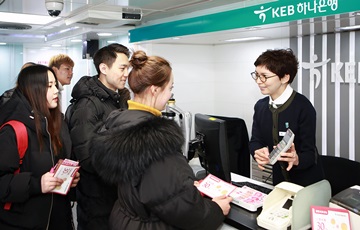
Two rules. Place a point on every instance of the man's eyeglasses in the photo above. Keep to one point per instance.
(262, 78)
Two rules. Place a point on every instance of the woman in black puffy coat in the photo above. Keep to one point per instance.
(140, 151)
(33, 205)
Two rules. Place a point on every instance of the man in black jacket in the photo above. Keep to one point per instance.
(93, 98)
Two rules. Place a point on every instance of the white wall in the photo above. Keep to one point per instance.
(193, 70)
(208, 79)
(82, 66)
(215, 79)
(236, 92)
(11, 60)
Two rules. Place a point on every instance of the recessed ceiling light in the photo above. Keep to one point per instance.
(56, 45)
(76, 40)
(62, 31)
(104, 34)
(110, 42)
(2, 43)
(28, 18)
(244, 39)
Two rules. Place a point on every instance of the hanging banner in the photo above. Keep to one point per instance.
(262, 14)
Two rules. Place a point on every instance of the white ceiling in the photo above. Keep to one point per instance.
(153, 11)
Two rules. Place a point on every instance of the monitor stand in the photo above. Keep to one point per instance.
(199, 171)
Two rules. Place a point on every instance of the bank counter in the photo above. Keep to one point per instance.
(286, 204)
(241, 218)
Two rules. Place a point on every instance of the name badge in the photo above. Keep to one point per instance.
(281, 134)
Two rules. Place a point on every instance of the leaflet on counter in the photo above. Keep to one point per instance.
(245, 196)
(330, 218)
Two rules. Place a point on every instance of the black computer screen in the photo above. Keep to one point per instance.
(215, 156)
(238, 142)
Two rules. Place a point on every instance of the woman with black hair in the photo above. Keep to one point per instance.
(34, 103)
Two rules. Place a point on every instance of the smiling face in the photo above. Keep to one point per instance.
(273, 86)
(52, 92)
(115, 77)
(64, 74)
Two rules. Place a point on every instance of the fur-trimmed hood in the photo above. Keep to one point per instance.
(131, 142)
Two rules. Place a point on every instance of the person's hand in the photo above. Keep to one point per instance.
(290, 156)
(49, 182)
(76, 180)
(197, 183)
(262, 157)
(224, 203)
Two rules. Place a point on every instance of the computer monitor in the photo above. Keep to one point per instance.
(238, 140)
(215, 155)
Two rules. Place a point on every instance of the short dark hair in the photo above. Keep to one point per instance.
(108, 55)
(280, 62)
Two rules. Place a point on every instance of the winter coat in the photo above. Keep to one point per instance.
(30, 209)
(91, 104)
(142, 154)
(6, 96)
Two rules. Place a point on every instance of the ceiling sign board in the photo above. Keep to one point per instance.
(269, 13)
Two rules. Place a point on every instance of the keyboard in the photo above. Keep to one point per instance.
(252, 185)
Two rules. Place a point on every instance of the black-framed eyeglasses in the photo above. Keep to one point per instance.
(262, 78)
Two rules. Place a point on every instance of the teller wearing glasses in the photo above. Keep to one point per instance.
(284, 108)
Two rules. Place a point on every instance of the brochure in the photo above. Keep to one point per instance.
(329, 218)
(245, 196)
(65, 170)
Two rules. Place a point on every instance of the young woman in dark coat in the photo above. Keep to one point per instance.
(33, 205)
(141, 152)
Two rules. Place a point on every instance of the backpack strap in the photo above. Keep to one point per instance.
(98, 106)
(22, 144)
(96, 102)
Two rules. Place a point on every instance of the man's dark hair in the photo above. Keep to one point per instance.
(108, 54)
